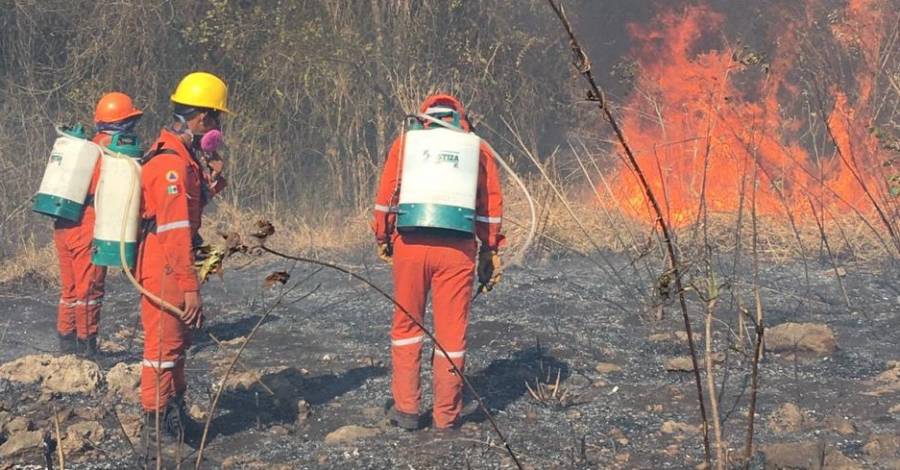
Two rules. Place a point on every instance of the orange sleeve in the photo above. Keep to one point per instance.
(164, 186)
(388, 191)
(488, 202)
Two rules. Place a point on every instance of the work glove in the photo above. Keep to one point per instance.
(488, 270)
(385, 252)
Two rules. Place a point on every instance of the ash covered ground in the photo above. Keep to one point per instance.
(324, 355)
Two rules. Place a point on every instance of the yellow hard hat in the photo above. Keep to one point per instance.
(202, 90)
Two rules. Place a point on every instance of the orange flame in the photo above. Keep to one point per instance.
(704, 121)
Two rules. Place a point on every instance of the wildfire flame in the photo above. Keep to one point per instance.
(703, 122)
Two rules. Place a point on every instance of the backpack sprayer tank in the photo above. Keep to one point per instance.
(68, 175)
(120, 174)
(439, 180)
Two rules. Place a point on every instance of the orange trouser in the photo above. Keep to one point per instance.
(166, 338)
(81, 290)
(445, 265)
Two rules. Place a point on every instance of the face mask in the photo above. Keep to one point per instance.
(211, 141)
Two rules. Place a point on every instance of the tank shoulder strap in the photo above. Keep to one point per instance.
(155, 152)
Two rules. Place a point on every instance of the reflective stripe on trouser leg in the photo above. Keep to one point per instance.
(451, 295)
(89, 281)
(410, 291)
(165, 340)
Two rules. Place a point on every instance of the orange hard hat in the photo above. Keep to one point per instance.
(115, 107)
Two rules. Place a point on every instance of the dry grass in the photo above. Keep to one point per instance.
(33, 261)
(338, 234)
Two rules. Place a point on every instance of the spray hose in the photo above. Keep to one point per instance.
(533, 212)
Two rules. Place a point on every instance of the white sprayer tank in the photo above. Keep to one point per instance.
(67, 176)
(118, 203)
(439, 180)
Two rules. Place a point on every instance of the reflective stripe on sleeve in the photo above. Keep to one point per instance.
(408, 341)
(488, 220)
(173, 225)
(380, 208)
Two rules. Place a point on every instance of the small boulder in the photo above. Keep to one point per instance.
(680, 364)
(793, 455)
(18, 424)
(89, 430)
(786, 418)
(303, 411)
(124, 381)
(811, 338)
(887, 382)
(674, 427)
(350, 433)
(24, 446)
(806, 455)
(684, 363)
(64, 374)
(882, 446)
(607, 368)
(197, 413)
(840, 425)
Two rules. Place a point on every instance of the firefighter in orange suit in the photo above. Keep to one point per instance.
(431, 257)
(173, 194)
(81, 293)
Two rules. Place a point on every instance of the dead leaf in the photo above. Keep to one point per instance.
(278, 277)
(264, 229)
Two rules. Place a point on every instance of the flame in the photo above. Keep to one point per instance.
(707, 115)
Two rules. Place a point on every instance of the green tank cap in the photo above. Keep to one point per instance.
(76, 130)
(126, 144)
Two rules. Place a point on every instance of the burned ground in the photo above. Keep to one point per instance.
(326, 361)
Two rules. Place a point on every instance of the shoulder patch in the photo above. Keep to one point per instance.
(172, 189)
(171, 176)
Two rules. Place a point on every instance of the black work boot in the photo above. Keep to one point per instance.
(167, 441)
(185, 425)
(88, 349)
(67, 343)
(407, 421)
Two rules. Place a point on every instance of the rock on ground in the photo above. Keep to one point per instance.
(840, 425)
(684, 363)
(786, 418)
(17, 424)
(23, 445)
(124, 381)
(887, 382)
(350, 433)
(815, 338)
(90, 430)
(806, 455)
(673, 427)
(607, 368)
(65, 374)
(882, 445)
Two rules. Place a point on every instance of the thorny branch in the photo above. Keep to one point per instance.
(582, 63)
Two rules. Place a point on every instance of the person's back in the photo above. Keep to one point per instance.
(427, 229)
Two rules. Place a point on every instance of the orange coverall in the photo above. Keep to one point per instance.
(172, 195)
(82, 283)
(444, 263)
